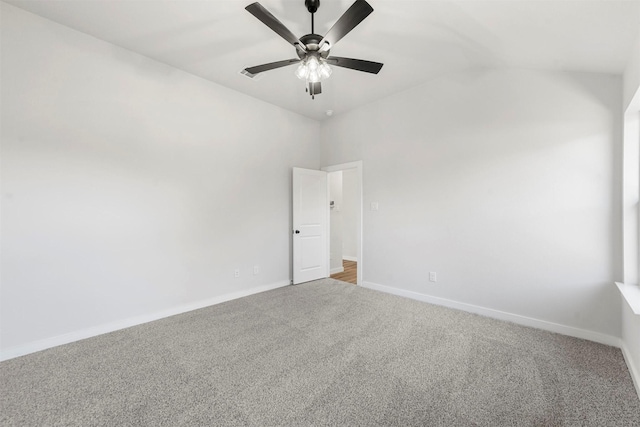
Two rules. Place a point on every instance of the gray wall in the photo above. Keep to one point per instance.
(503, 182)
(131, 188)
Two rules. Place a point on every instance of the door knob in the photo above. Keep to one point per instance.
(297, 231)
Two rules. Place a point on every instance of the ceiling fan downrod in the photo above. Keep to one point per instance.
(312, 7)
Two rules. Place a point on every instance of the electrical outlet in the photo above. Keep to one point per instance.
(432, 276)
(236, 273)
(256, 269)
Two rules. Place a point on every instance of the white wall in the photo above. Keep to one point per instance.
(350, 212)
(631, 340)
(131, 188)
(631, 218)
(631, 104)
(630, 192)
(503, 182)
(631, 80)
(336, 222)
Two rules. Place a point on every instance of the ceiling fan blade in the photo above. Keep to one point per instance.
(270, 66)
(347, 22)
(355, 64)
(257, 10)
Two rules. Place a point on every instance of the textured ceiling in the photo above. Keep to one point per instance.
(416, 40)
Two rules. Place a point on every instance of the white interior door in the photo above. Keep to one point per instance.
(310, 225)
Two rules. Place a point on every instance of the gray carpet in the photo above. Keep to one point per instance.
(322, 353)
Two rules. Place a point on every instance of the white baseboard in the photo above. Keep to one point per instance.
(501, 315)
(350, 258)
(633, 369)
(46, 343)
(337, 270)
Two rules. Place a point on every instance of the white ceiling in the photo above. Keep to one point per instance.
(416, 40)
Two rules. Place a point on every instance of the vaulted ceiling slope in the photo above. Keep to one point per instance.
(416, 40)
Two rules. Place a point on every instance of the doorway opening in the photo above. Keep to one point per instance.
(345, 221)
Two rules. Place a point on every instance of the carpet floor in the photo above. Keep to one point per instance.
(321, 353)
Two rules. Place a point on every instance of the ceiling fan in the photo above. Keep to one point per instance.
(313, 49)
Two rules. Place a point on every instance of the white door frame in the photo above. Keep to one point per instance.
(358, 166)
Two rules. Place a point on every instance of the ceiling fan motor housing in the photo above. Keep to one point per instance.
(312, 5)
(312, 44)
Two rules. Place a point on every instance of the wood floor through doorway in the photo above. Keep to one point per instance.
(350, 273)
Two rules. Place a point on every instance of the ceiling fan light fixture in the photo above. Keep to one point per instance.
(312, 63)
(302, 72)
(314, 77)
(313, 69)
(324, 70)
